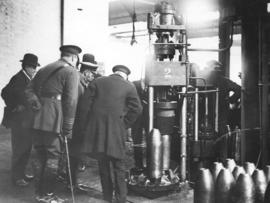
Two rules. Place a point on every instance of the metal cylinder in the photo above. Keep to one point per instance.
(167, 14)
(154, 155)
(183, 138)
(216, 110)
(196, 133)
(260, 184)
(204, 187)
(151, 107)
(166, 148)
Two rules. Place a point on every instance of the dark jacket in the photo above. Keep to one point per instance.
(114, 107)
(13, 95)
(77, 132)
(54, 115)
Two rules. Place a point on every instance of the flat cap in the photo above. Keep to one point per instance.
(121, 68)
(73, 49)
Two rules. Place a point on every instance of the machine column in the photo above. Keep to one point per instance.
(183, 138)
(151, 107)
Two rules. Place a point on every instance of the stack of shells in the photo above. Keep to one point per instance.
(230, 183)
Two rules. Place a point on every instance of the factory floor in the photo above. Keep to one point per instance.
(12, 194)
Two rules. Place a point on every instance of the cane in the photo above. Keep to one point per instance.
(69, 170)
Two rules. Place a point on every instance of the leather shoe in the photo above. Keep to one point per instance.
(21, 183)
(29, 177)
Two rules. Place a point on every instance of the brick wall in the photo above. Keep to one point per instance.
(27, 26)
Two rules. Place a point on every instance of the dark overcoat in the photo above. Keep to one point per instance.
(114, 108)
(54, 115)
(13, 95)
(77, 133)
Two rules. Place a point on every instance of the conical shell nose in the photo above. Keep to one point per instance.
(230, 164)
(217, 166)
(249, 168)
(244, 191)
(225, 182)
(237, 171)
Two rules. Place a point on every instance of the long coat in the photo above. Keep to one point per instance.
(113, 106)
(54, 115)
(77, 133)
(13, 95)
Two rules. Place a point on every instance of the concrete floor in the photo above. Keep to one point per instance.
(12, 194)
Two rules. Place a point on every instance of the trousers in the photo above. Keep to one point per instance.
(109, 168)
(21, 144)
(46, 160)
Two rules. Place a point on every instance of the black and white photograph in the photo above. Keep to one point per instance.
(135, 101)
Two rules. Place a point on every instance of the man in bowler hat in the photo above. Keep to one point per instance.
(113, 105)
(15, 114)
(87, 74)
(52, 95)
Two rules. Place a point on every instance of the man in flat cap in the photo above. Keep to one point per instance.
(15, 114)
(52, 95)
(113, 106)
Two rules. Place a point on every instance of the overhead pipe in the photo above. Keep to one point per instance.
(217, 50)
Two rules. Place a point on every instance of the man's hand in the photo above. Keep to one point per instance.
(35, 105)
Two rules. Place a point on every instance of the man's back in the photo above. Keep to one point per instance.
(56, 86)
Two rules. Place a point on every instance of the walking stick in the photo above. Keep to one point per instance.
(69, 170)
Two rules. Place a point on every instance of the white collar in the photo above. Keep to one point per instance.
(26, 74)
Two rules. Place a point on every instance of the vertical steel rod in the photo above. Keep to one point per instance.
(216, 110)
(183, 138)
(196, 133)
(151, 107)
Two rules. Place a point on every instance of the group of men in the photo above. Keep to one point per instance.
(59, 103)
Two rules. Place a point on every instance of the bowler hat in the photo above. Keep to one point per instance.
(30, 59)
(88, 61)
(72, 49)
(121, 68)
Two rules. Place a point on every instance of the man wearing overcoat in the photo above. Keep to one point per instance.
(87, 75)
(21, 140)
(114, 108)
(52, 96)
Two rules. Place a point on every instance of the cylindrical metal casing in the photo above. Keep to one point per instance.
(267, 173)
(167, 13)
(166, 145)
(204, 187)
(260, 184)
(154, 155)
